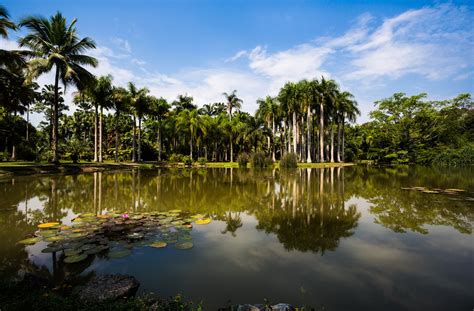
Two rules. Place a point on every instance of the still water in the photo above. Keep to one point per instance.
(341, 238)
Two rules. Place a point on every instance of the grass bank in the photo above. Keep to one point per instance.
(67, 167)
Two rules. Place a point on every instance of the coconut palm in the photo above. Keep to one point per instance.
(5, 23)
(54, 43)
(233, 102)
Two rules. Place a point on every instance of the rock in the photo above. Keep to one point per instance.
(108, 287)
(261, 307)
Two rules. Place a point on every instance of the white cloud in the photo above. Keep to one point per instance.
(123, 44)
(138, 62)
(237, 55)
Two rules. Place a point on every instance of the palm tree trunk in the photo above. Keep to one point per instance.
(294, 133)
(116, 137)
(231, 149)
(95, 132)
(343, 143)
(308, 143)
(332, 144)
(273, 139)
(139, 139)
(338, 147)
(13, 157)
(27, 122)
(134, 139)
(321, 132)
(100, 134)
(191, 148)
(268, 139)
(55, 118)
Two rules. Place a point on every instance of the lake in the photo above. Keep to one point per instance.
(338, 238)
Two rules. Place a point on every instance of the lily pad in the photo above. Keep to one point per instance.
(74, 259)
(48, 225)
(158, 244)
(175, 211)
(72, 252)
(52, 249)
(203, 221)
(54, 238)
(29, 241)
(119, 253)
(184, 245)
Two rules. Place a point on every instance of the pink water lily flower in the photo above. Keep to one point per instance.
(125, 216)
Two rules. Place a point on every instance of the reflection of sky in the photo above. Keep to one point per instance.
(374, 268)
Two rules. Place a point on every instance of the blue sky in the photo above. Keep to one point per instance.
(204, 48)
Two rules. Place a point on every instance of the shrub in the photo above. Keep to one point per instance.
(243, 159)
(187, 160)
(176, 157)
(455, 157)
(289, 160)
(260, 160)
(202, 161)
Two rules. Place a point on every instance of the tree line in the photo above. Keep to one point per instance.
(310, 119)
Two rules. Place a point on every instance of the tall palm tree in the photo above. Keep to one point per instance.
(233, 102)
(53, 43)
(139, 104)
(120, 103)
(347, 109)
(328, 90)
(101, 92)
(159, 108)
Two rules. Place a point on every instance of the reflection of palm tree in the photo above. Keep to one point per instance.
(232, 223)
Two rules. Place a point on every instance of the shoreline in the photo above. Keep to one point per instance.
(21, 168)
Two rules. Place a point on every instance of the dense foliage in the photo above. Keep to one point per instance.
(310, 118)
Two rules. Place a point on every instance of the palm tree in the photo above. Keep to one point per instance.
(159, 108)
(328, 90)
(347, 109)
(53, 43)
(190, 120)
(139, 103)
(120, 103)
(101, 93)
(5, 23)
(233, 102)
(267, 110)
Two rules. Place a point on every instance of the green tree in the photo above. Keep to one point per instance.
(53, 43)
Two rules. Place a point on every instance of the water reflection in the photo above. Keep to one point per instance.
(307, 211)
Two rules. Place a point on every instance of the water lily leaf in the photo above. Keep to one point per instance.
(455, 190)
(184, 245)
(55, 238)
(119, 253)
(72, 252)
(48, 225)
(158, 244)
(203, 221)
(47, 233)
(175, 211)
(52, 249)
(29, 241)
(76, 258)
(198, 216)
